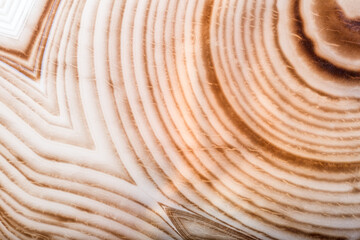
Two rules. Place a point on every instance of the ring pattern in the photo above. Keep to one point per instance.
(156, 119)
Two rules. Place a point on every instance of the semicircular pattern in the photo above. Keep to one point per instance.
(179, 119)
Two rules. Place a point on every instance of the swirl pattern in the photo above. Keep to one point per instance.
(169, 119)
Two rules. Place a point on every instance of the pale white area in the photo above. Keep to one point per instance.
(13, 16)
(350, 7)
(31, 15)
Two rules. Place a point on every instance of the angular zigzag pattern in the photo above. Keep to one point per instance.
(179, 119)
